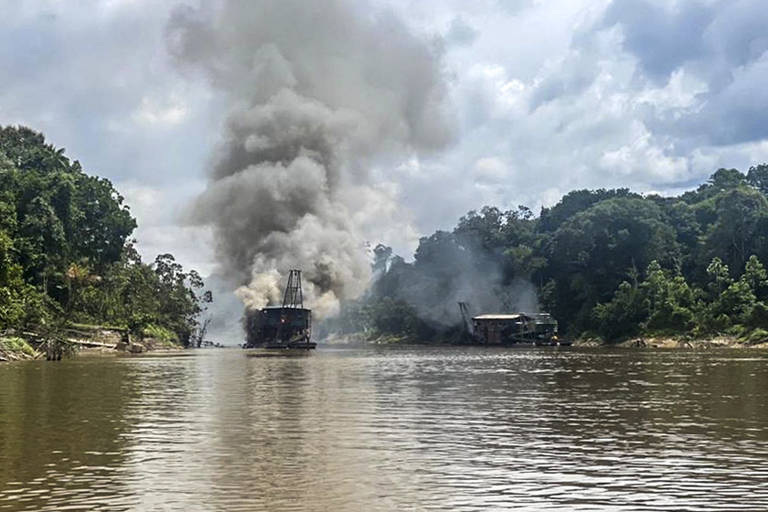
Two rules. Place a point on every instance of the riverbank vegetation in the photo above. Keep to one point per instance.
(66, 255)
(606, 263)
(13, 348)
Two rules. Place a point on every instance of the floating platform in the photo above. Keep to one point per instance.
(537, 329)
(286, 327)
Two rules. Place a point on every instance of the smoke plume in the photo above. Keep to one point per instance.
(448, 270)
(316, 92)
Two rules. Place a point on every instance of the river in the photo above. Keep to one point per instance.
(388, 429)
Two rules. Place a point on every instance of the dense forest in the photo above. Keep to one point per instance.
(66, 256)
(606, 263)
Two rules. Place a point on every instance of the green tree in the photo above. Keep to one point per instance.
(623, 314)
(730, 301)
(65, 254)
(757, 176)
(741, 228)
(590, 254)
(671, 301)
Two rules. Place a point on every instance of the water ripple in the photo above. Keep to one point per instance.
(394, 429)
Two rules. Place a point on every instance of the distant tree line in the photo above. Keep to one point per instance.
(66, 255)
(609, 262)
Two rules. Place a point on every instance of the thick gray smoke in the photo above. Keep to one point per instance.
(448, 271)
(316, 91)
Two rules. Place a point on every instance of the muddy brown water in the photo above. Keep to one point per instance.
(389, 429)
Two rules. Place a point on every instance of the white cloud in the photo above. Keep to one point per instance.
(490, 171)
(169, 112)
(643, 156)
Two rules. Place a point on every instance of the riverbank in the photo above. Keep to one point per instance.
(673, 342)
(655, 341)
(78, 339)
(14, 348)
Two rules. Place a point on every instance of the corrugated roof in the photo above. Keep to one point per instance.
(515, 316)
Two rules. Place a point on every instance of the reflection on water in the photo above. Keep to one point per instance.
(394, 429)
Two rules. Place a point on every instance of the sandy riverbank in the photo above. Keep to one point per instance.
(668, 342)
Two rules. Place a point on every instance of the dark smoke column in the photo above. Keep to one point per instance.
(316, 91)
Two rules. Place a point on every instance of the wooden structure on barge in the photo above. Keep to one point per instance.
(511, 328)
(501, 329)
(282, 327)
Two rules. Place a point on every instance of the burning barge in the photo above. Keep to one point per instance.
(282, 327)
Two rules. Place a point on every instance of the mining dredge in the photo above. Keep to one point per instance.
(538, 329)
(282, 327)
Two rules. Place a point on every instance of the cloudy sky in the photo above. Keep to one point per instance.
(546, 96)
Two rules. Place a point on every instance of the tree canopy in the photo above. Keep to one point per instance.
(66, 253)
(611, 262)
